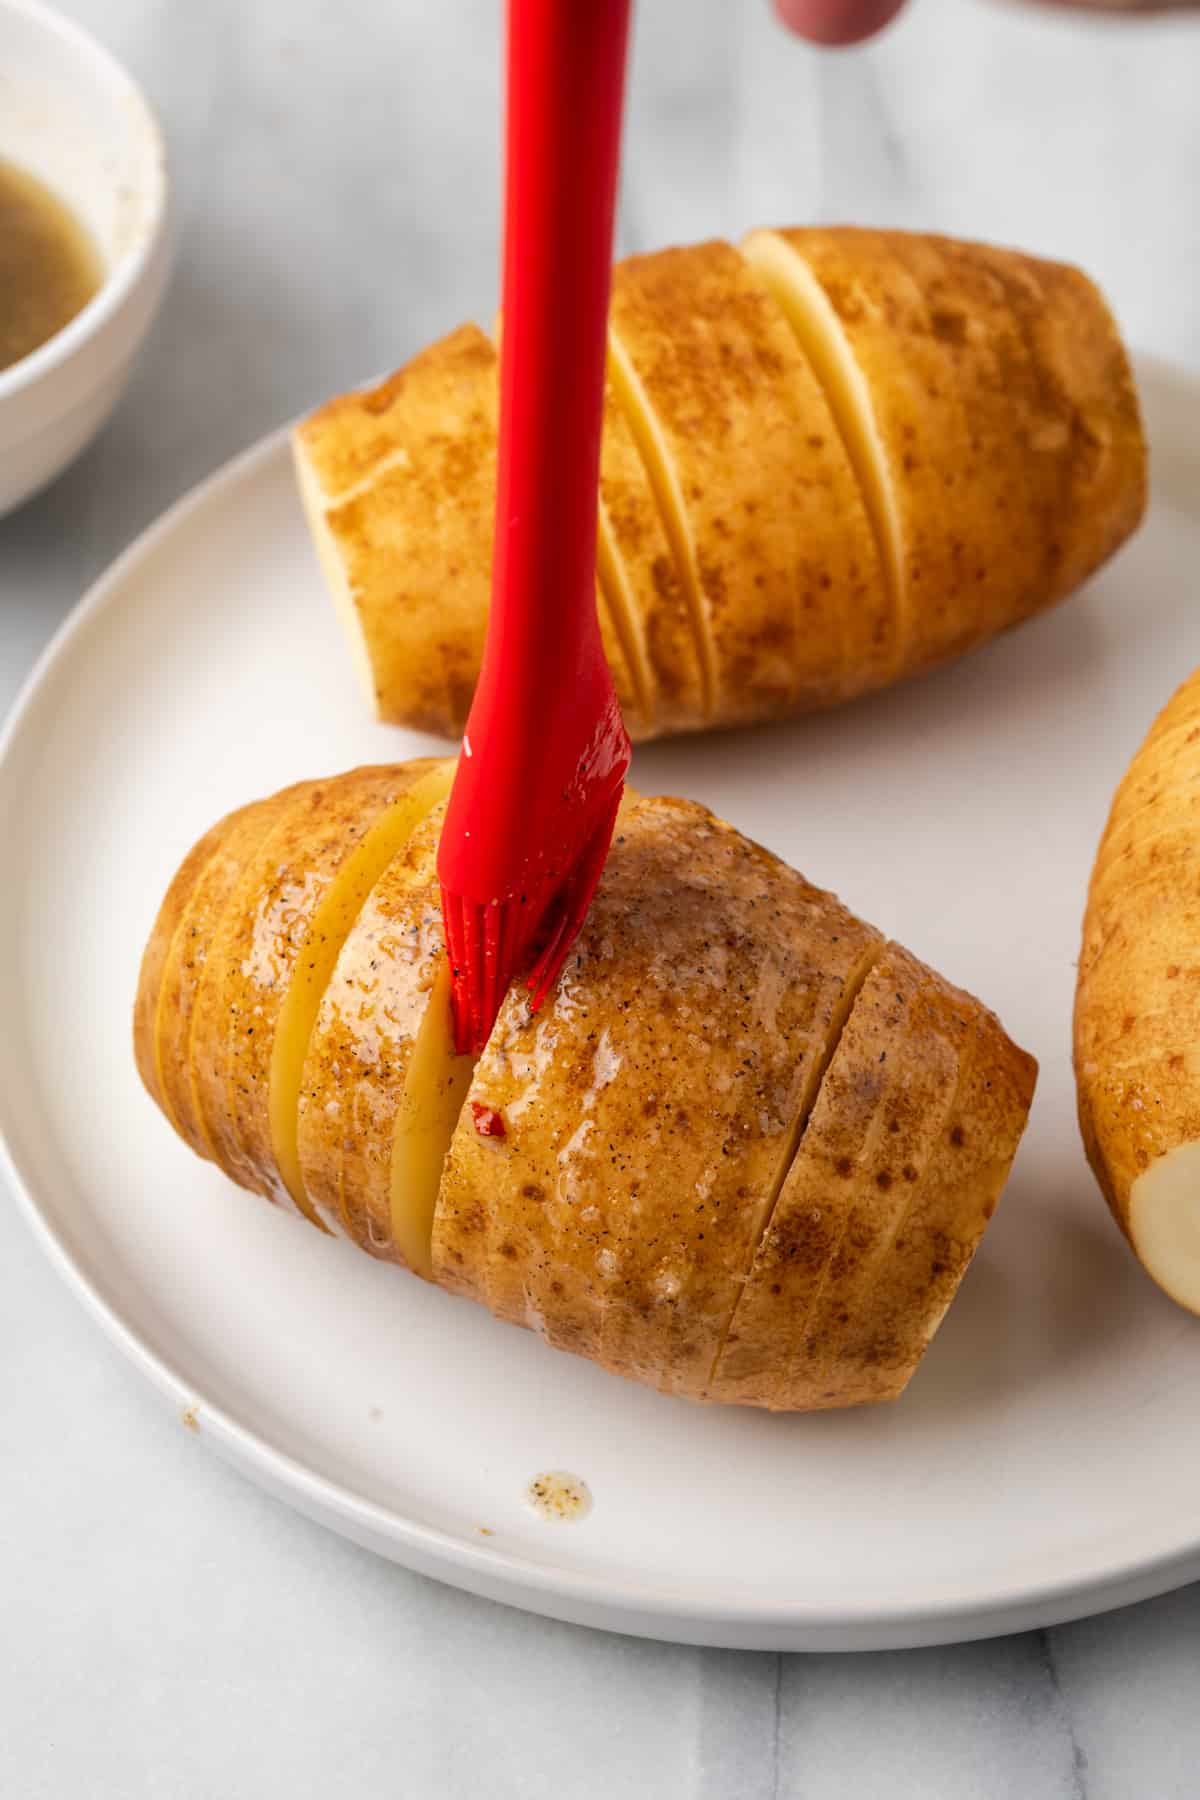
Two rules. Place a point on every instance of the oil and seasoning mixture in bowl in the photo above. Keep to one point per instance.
(49, 267)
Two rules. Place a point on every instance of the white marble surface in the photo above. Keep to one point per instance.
(166, 1633)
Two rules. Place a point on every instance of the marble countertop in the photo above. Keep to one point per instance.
(165, 1630)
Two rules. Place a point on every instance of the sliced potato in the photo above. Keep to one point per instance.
(640, 571)
(759, 500)
(988, 405)
(407, 551)
(895, 1179)
(317, 941)
(370, 1017)
(435, 1087)
(399, 487)
(187, 961)
(835, 461)
(161, 950)
(640, 1133)
(861, 1123)
(267, 962)
(728, 1057)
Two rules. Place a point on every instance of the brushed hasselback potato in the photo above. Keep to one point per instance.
(1137, 1003)
(831, 459)
(744, 1152)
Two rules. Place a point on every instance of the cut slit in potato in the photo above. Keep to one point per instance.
(864, 1276)
(755, 489)
(436, 1084)
(818, 329)
(967, 452)
(617, 1152)
(162, 953)
(317, 834)
(664, 483)
(369, 1019)
(189, 1007)
(891, 1191)
(811, 1092)
(327, 932)
(569, 1222)
(613, 581)
(435, 1087)
(620, 628)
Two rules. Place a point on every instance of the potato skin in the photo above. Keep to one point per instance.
(646, 1108)
(183, 972)
(254, 953)
(162, 949)
(1007, 419)
(406, 475)
(399, 481)
(619, 1214)
(724, 1038)
(648, 588)
(1137, 999)
(358, 1054)
(782, 550)
(892, 1188)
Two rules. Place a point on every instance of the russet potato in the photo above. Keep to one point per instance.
(744, 1152)
(1137, 1003)
(991, 415)
(762, 508)
(831, 459)
(358, 1055)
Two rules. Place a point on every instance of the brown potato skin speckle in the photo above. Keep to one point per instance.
(183, 973)
(406, 478)
(1009, 419)
(725, 1039)
(163, 950)
(784, 554)
(648, 1104)
(253, 952)
(1008, 426)
(358, 1054)
(1137, 998)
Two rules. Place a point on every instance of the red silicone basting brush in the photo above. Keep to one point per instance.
(544, 755)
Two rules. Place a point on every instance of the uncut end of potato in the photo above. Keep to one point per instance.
(398, 483)
(1137, 1008)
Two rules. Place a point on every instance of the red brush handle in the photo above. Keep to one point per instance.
(543, 676)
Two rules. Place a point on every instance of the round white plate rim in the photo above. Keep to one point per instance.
(573, 1594)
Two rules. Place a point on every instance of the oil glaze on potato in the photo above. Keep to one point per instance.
(745, 1152)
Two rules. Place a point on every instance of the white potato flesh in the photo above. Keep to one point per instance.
(1164, 1222)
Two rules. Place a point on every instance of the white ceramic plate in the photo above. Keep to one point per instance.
(1045, 1461)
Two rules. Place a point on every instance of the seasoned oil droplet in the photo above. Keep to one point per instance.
(557, 1494)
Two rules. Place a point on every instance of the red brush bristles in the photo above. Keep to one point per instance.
(493, 944)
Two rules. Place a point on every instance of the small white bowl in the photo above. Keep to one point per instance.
(70, 115)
